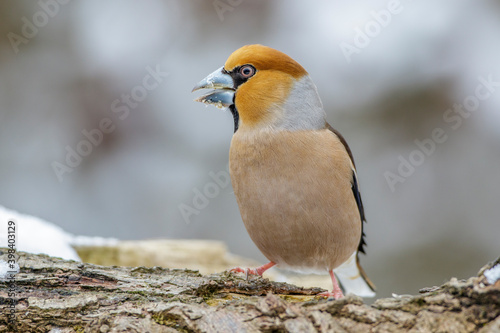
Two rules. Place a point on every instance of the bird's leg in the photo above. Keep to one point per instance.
(253, 271)
(336, 292)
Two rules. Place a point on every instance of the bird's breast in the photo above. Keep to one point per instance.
(295, 198)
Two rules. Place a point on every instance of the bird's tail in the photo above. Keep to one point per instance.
(353, 278)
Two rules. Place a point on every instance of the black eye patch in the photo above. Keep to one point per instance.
(240, 78)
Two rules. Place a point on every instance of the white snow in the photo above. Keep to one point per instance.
(492, 274)
(35, 235)
(6, 269)
(93, 241)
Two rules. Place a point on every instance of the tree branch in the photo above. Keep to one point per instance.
(74, 297)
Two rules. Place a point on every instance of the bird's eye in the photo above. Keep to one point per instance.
(247, 71)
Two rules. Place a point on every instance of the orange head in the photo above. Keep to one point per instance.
(263, 87)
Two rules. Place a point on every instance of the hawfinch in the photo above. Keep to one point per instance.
(293, 174)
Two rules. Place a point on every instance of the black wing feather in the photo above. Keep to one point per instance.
(357, 196)
(355, 188)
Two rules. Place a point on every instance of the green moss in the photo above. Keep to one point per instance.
(79, 329)
(170, 321)
(216, 301)
(297, 298)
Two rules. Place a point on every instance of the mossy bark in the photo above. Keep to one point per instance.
(73, 297)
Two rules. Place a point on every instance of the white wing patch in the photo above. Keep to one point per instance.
(351, 279)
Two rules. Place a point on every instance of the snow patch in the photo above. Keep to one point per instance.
(36, 235)
(6, 270)
(93, 241)
(492, 274)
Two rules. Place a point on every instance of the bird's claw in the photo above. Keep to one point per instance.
(337, 294)
(247, 271)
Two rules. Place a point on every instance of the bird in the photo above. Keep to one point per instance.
(293, 174)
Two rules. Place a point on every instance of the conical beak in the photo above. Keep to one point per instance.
(223, 85)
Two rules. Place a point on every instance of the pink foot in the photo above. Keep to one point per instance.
(253, 271)
(336, 292)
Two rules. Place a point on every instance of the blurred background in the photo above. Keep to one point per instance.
(388, 72)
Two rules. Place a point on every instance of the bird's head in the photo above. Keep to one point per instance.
(264, 87)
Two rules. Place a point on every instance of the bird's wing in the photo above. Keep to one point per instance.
(351, 275)
(355, 187)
